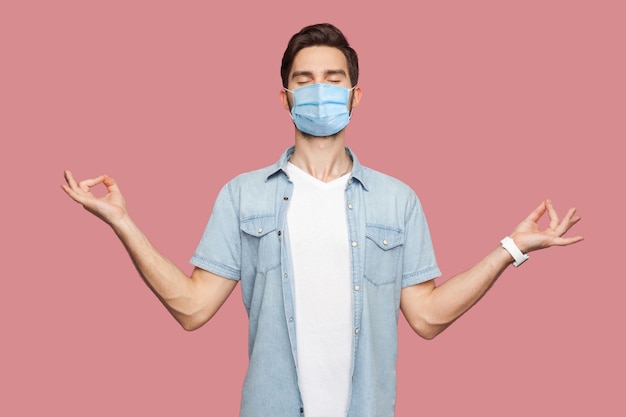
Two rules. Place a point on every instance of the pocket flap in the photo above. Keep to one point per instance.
(258, 225)
(384, 237)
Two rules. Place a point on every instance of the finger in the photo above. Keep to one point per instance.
(68, 190)
(568, 222)
(554, 217)
(110, 183)
(72, 193)
(70, 186)
(537, 213)
(69, 179)
(564, 241)
(85, 185)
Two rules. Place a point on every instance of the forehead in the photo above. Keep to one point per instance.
(318, 59)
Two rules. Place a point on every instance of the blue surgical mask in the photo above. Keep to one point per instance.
(320, 109)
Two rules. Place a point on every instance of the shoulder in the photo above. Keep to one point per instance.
(254, 190)
(259, 177)
(377, 182)
(254, 176)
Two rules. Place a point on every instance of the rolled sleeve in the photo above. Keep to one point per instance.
(219, 250)
(420, 264)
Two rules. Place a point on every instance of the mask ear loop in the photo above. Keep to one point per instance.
(351, 100)
(291, 106)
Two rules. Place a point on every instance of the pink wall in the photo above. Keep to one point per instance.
(484, 108)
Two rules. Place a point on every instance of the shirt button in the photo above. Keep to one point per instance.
(260, 230)
(290, 319)
(285, 198)
(385, 242)
(356, 331)
(285, 275)
(280, 233)
(350, 206)
(354, 244)
(356, 288)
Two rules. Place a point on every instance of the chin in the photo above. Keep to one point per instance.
(309, 136)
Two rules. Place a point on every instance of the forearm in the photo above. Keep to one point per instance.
(168, 282)
(457, 295)
(430, 309)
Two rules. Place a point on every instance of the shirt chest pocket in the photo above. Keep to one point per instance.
(383, 254)
(260, 242)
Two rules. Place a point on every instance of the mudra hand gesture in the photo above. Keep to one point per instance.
(111, 207)
(529, 237)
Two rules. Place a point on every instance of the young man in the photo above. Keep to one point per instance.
(326, 250)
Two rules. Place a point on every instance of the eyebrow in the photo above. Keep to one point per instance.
(326, 73)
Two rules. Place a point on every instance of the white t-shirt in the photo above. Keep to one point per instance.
(319, 242)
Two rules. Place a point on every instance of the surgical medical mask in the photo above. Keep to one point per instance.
(320, 109)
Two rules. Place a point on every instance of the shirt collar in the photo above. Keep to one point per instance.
(358, 173)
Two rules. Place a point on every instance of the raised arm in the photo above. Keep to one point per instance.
(192, 300)
(430, 309)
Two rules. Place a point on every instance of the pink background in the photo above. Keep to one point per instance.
(483, 107)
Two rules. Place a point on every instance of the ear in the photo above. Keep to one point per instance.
(356, 96)
(284, 100)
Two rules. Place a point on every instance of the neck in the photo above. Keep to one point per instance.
(323, 158)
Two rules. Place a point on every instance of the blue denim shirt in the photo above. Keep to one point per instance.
(391, 249)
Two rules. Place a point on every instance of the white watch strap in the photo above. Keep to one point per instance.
(511, 247)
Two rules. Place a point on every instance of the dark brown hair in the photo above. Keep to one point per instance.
(322, 34)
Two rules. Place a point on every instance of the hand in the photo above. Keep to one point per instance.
(109, 208)
(529, 237)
